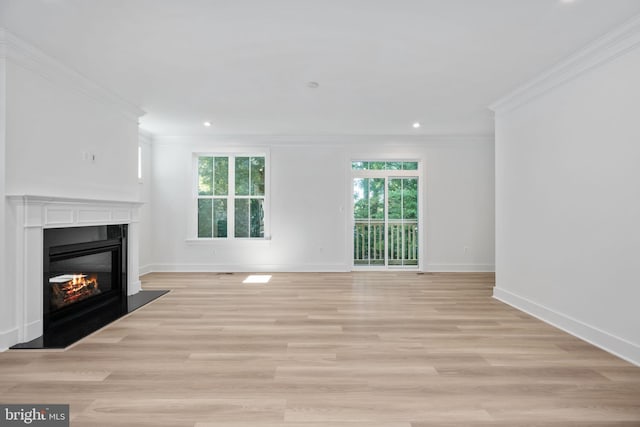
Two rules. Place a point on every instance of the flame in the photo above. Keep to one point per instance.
(78, 288)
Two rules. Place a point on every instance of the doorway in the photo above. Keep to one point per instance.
(386, 214)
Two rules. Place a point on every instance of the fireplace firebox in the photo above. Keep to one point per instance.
(84, 286)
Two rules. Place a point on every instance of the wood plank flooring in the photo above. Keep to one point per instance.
(334, 349)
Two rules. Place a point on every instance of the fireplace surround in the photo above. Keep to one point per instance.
(33, 218)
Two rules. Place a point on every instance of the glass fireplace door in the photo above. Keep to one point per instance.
(78, 277)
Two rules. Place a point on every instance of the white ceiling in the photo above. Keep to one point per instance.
(244, 65)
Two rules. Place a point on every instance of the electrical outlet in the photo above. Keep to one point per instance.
(88, 156)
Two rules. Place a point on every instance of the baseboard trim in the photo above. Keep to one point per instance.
(260, 268)
(33, 330)
(617, 346)
(8, 339)
(145, 269)
(461, 268)
(291, 268)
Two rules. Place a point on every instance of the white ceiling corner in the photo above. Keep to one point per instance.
(602, 50)
(27, 56)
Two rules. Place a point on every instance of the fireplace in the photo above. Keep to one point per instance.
(31, 216)
(84, 280)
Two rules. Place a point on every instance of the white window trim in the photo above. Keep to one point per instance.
(193, 211)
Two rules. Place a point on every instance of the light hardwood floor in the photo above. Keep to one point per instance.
(343, 350)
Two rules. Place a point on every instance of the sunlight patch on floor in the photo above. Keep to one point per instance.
(257, 278)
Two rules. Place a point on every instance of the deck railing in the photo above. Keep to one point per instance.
(369, 242)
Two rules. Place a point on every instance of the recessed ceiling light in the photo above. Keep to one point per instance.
(207, 124)
(416, 125)
(313, 85)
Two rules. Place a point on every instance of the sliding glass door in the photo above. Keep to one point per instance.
(385, 216)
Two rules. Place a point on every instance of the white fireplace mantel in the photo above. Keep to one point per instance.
(33, 214)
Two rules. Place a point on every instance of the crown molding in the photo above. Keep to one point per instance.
(29, 57)
(601, 51)
(325, 140)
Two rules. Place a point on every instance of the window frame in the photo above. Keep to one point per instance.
(231, 196)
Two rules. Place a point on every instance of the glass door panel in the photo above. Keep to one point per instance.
(403, 222)
(369, 221)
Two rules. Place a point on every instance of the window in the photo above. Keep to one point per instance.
(231, 195)
(407, 166)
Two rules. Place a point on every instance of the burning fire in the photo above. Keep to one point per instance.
(68, 289)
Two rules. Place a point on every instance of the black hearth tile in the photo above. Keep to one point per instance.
(142, 298)
(63, 336)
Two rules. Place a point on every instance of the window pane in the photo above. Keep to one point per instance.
(205, 218)
(359, 165)
(361, 198)
(257, 218)
(394, 166)
(205, 176)
(220, 215)
(376, 198)
(257, 176)
(410, 198)
(242, 176)
(410, 166)
(377, 165)
(395, 198)
(221, 176)
(242, 218)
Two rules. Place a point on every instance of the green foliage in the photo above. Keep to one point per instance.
(220, 218)
(205, 218)
(213, 176)
(384, 166)
(368, 197)
(249, 218)
(205, 176)
(242, 176)
(257, 176)
(257, 218)
(242, 218)
(221, 176)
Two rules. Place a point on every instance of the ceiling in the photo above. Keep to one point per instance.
(245, 65)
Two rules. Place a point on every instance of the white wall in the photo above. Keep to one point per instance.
(568, 200)
(50, 127)
(310, 203)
